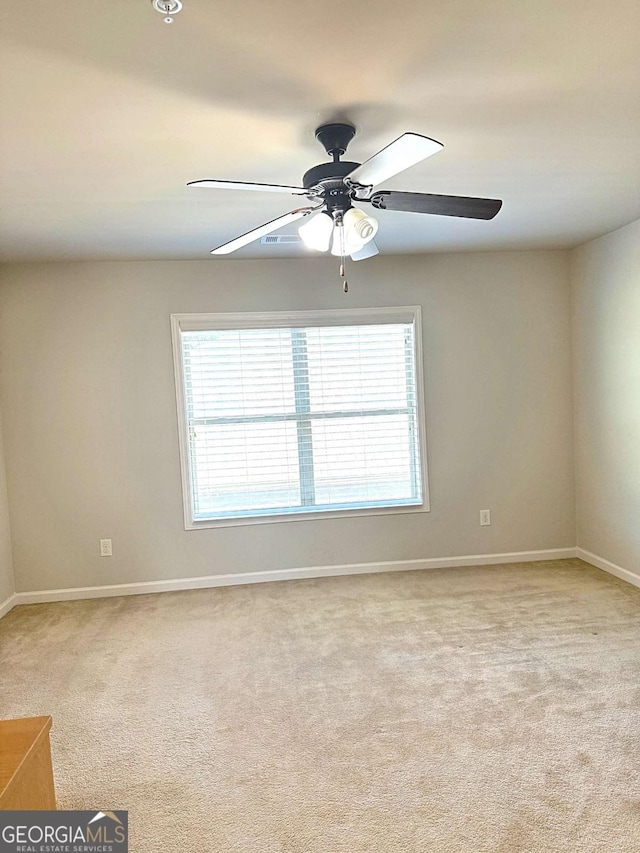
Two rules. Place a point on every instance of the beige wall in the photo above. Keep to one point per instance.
(605, 277)
(90, 423)
(6, 562)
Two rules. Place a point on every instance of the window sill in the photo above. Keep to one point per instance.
(317, 515)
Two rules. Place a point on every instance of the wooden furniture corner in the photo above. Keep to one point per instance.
(26, 774)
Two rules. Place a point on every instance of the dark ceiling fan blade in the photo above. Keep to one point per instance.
(245, 185)
(367, 251)
(261, 230)
(405, 151)
(440, 205)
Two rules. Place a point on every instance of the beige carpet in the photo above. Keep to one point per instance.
(488, 709)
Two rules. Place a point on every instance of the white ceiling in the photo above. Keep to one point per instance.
(106, 113)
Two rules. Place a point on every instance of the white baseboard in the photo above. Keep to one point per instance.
(6, 606)
(147, 587)
(607, 566)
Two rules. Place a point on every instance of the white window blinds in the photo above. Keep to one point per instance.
(318, 415)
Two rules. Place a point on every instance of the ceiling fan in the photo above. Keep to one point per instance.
(332, 188)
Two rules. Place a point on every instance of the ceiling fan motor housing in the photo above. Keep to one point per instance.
(328, 172)
(329, 185)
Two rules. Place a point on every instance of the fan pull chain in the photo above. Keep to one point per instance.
(345, 283)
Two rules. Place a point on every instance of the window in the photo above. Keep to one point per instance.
(299, 414)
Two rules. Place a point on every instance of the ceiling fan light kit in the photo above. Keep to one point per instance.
(359, 228)
(316, 233)
(332, 188)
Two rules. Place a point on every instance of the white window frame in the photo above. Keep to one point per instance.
(293, 319)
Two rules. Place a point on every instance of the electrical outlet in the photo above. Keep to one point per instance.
(105, 548)
(485, 517)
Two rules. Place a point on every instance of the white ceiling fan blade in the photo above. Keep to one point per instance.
(247, 185)
(405, 151)
(367, 251)
(267, 228)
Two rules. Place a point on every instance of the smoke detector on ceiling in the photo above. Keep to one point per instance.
(167, 8)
